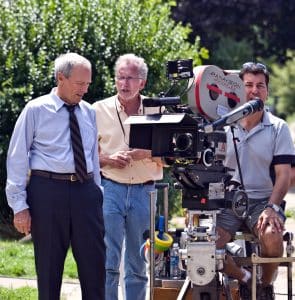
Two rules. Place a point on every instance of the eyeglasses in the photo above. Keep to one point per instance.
(128, 78)
(251, 65)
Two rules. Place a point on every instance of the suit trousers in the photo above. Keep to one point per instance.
(65, 214)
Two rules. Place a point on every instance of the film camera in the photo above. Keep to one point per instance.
(193, 135)
(193, 138)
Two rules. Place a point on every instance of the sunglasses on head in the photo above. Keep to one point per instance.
(255, 65)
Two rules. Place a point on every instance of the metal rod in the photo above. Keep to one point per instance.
(166, 205)
(184, 289)
(289, 270)
(289, 273)
(265, 260)
(153, 197)
(164, 186)
(254, 272)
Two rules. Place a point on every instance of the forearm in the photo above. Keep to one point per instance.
(17, 179)
(281, 185)
(16, 197)
(278, 195)
(18, 164)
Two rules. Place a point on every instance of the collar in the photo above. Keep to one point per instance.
(268, 118)
(58, 102)
(121, 108)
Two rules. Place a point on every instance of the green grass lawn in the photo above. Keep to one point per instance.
(17, 260)
(290, 213)
(24, 293)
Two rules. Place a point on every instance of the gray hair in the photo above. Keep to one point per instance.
(66, 62)
(132, 59)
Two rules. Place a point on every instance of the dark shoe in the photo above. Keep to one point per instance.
(265, 292)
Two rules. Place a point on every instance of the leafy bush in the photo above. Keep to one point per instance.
(34, 32)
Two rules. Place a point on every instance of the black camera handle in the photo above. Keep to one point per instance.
(235, 139)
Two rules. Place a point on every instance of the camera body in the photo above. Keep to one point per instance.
(180, 136)
(166, 135)
(197, 157)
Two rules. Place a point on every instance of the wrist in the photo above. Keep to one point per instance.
(277, 209)
(274, 206)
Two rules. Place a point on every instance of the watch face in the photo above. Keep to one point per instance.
(276, 207)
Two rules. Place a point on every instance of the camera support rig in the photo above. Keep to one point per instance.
(197, 141)
(203, 259)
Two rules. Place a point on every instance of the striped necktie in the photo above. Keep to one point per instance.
(78, 151)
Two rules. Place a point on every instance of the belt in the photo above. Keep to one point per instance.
(59, 176)
(149, 182)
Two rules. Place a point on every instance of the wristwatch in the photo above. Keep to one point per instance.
(277, 209)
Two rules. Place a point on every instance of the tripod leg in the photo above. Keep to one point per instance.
(184, 289)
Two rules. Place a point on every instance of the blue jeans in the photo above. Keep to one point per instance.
(126, 211)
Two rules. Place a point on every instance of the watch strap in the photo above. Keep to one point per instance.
(277, 209)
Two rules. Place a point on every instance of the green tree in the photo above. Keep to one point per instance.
(230, 54)
(34, 32)
(263, 24)
(283, 85)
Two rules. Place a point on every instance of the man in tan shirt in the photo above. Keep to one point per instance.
(128, 177)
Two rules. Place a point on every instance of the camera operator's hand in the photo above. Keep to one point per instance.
(138, 154)
(271, 218)
(118, 160)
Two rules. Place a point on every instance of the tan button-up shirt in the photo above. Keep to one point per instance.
(114, 136)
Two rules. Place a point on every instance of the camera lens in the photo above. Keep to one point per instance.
(183, 141)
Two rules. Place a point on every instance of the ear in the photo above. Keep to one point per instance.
(142, 84)
(60, 78)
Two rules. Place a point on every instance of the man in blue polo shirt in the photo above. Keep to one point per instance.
(265, 151)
